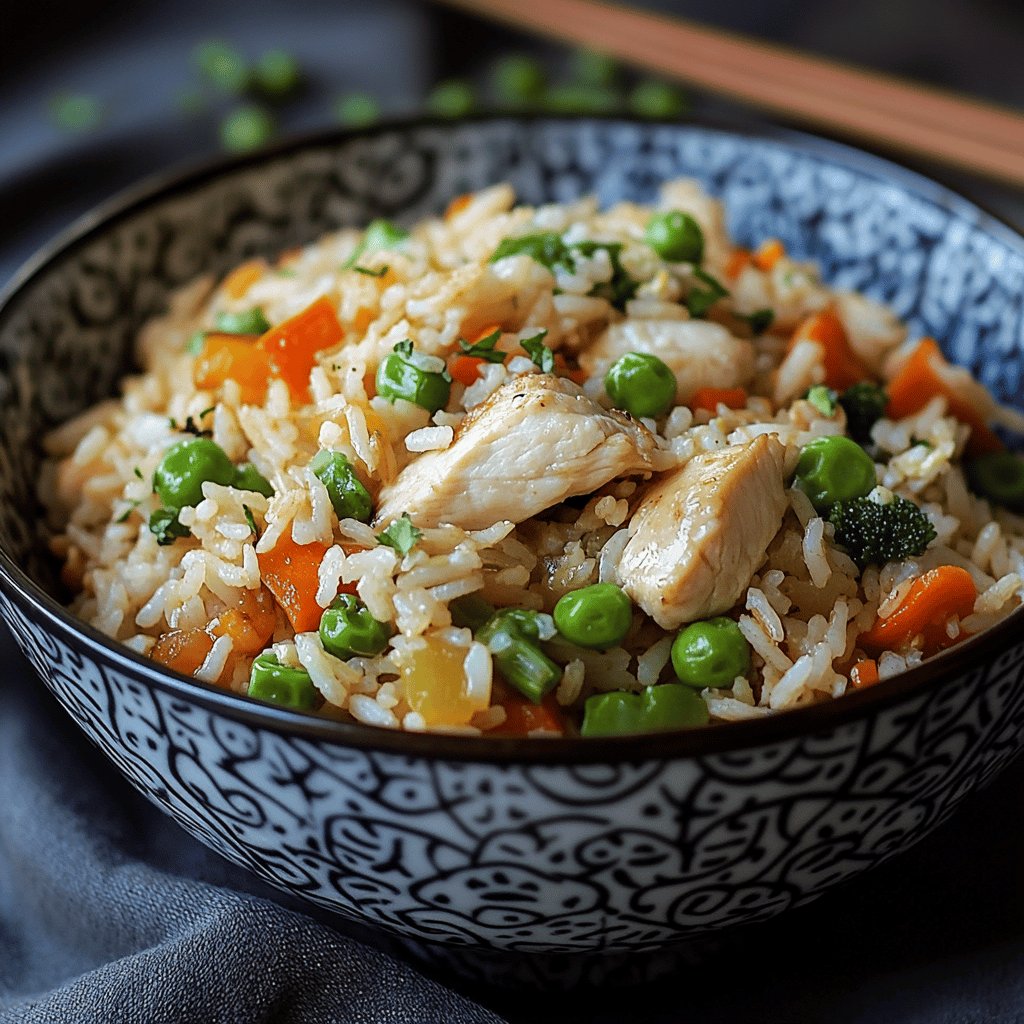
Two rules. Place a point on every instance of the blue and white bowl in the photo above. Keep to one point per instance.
(553, 847)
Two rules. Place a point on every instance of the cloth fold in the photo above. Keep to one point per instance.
(97, 925)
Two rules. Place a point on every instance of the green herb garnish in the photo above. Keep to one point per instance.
(700, 300)
(484, 349)
(164, 524)
(400, 535)
(541, 355)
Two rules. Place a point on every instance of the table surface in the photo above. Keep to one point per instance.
(936, 935)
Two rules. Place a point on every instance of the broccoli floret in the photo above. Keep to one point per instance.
(874, 533)
(864, 404)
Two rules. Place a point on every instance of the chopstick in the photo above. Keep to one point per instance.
(964, 132)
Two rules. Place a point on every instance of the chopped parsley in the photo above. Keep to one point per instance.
(549, 249)
(484, 348)
(700, 300)
(760, 320)
(251, 520)
(132, 506)
(164, 524)
(196, 343)
(823, 399)
(542, 356)
(190, 426)
(400, 535)
(138, 473)
(369, 272)
(379, 234)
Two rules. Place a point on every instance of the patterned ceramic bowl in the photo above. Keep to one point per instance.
(554, 847)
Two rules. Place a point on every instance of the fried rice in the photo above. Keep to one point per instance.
(804, 607)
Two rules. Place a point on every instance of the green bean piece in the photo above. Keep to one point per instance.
(275, 683)
(512, 635)
(659, 708)
(351, 500)
(348, 630)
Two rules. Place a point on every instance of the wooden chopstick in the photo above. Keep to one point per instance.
(967, 133)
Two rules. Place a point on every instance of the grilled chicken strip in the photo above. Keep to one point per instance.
(700, 354)
(702, 530)
(535, 442)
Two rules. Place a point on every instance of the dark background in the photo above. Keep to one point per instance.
(936, 936)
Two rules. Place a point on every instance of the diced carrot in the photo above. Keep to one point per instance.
(575, 373)
(768, 254)
(233, 357)
(523, 717)
(251, 624)
(926, 374)
(842, 367)
(243, 277)
(933, 599)
(457, 205)
(465, 369)
(183, 650)
(290, 571)
(864, 674)
(363, 318)
(737, 262)
(293, 345)
(711, 398)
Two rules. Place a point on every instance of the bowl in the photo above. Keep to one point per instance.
(518, 851)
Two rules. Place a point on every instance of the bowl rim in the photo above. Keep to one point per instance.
(942, 670)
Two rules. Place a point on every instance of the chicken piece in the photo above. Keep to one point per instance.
(535, 442)
(702, 530)
(701, 354)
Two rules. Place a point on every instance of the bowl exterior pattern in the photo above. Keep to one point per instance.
(532, 857)
(543, 858)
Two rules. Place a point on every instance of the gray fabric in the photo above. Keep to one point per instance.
(93, 927)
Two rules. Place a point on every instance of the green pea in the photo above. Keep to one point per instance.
(249, 478)
(590, 67)
(277, 73)
(451, 99)
(348, 630)
(657, 100)
(518, 80)
(999, 476)
(249, 321)
(246, 128)
(832, 469)
(641, 384)
(710, 653)
(222, 65)
(357, 110)
(575, 98)
(409, 375)
(280, 684)
(675, 236)
(351, 500)
(657, 709)
(596, 616)
(186, 466)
